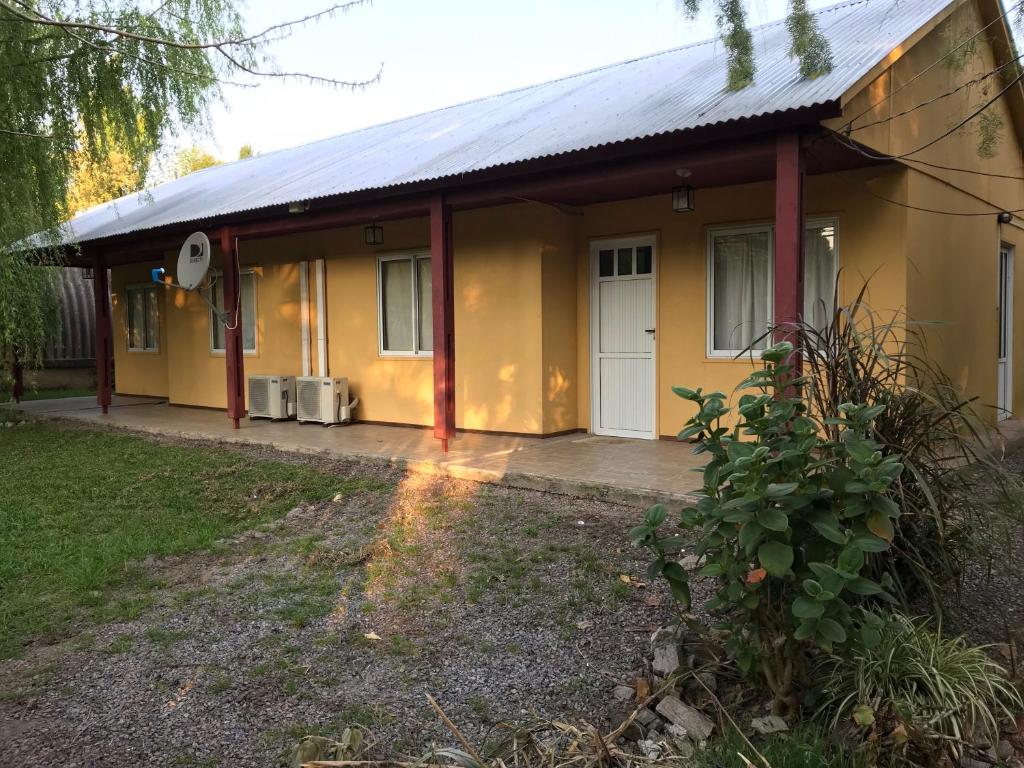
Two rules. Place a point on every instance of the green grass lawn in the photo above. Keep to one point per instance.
(78, 505)
(49, 394)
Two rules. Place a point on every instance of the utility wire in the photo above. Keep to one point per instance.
(934, 64)
(941, 136)
(939, 166)
(862, 186)
(928, 102)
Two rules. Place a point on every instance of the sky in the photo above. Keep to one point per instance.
(434, 53)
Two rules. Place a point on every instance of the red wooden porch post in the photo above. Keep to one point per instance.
(789, 235)
(443, 300)
(104, 346)
(233, 353)
(18, 374)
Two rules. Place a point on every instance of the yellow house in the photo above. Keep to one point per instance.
(555, 258)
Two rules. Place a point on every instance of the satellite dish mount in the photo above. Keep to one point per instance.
(193, 266)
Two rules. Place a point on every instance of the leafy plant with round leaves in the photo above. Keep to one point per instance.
(787, 522)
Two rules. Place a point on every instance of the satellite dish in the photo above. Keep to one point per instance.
(193, 261)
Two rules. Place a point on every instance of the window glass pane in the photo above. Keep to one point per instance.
(606, 263)
(215, 322)
(426, 319)
(742, 284)
(136, 319)
(625, 261)
(819, 274)
(152, 319)
(248, 307)
(644, 260)
(396, 305)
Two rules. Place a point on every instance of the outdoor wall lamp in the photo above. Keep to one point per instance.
(1005, 217)
(682, 199)
(300, 207)
(374, 234)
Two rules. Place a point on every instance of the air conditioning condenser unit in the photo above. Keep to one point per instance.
(272, 397)
(324, 399)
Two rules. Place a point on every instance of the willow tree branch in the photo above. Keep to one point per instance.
(32, 16)
(26, 134)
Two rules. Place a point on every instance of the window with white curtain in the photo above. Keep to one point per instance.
(403, 298)
(143, 315)
(741, 283)
(247, 304)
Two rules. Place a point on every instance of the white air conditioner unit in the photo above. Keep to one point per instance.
(271, 397)
(323, 399)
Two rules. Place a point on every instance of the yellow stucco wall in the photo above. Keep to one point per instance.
(952, 259)
(870, 237)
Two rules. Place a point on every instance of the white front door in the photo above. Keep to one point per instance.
(622, 333)
(1004, 386)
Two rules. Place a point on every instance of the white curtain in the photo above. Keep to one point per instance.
(742, 289)
(136, 318)
(819, 274)
(247, 302)
(152, 320)
(396, 304)
(425, 286)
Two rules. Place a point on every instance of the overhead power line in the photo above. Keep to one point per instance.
(940, 137)
(934, 64)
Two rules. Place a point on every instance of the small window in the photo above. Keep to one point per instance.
(644, 259)
(625, 261)
(247, 305)
(606, 262)
(143, 314)
(404, 287)
(741, 290)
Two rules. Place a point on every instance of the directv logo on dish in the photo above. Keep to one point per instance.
(195, 253)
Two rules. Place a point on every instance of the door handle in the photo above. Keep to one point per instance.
(649, 330)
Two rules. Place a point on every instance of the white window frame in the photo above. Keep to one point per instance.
(144, 287)
(211, 295)
(769, 228)
(402, 256)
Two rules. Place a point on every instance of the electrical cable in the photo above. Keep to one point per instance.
(934, 64)
(944, 135)
(934, 99)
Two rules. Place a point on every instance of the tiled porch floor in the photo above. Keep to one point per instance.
(635, 471)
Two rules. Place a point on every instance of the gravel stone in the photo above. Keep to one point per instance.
(476, 592)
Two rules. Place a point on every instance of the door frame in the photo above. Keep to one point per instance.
(1004, 409)
(596, 245)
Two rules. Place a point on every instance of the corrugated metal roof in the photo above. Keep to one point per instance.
(671, 91)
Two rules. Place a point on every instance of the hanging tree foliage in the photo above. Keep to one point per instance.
(83, 79)
(807, 44)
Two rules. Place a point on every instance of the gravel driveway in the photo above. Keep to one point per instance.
(498, 602)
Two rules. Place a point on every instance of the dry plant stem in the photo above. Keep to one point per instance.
(455, 731)
(370, 764)
(738, 730)
(626, 723)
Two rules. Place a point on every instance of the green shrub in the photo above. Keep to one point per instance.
(787, 522)
(925, 691)
(957, 501)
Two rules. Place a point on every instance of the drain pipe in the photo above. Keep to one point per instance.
(321, 318)
(304, 316)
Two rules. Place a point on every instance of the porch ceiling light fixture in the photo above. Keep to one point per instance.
(682, 199)
(300, 207)
(374, 234)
